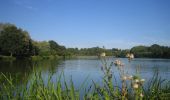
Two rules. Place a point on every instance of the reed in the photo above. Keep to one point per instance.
(37, 89)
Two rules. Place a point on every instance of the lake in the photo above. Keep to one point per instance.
(81, 70)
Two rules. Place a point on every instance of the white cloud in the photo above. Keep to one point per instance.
(25, 4)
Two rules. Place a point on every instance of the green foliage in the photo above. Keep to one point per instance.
(72, 51)
(94, 51)
(56, 49)
(15, 41)
(3, 25)
(37, 89)
(120, 53)
(43, 47)
(157, 88)
(154, 51)
(61, 90)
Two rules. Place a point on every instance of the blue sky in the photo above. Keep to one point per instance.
(88, 23)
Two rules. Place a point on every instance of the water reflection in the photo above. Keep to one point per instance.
(80, 69)
(21, 70)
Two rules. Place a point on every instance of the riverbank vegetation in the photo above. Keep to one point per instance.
(132, 87)
(17, 43)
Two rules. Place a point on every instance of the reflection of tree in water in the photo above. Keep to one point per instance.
(21, 70)
(18, 70)
(46, 65)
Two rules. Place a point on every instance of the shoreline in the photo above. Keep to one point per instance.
(68, 57)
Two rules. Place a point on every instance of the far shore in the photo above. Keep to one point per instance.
(52, 57)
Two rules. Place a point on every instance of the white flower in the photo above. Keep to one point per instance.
(118, 63)
(141, 95)
(131, 56)
(103, 54)
(127, 55)
(135, 86)
(142, 80)
(136, 80)
(124, 78)
(130, 77)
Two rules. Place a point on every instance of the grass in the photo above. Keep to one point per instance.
(37, 89)
(131, 87)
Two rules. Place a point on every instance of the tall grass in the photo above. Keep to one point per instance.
(37, 89)
(131, 87)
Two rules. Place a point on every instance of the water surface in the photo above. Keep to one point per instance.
(84, 69)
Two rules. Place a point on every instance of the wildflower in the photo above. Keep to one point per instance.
(141, 95)
(136, 80)
(135, 86)
(130, 56)
(130, 77)
(103, 54)
(118, 63)
(142, 80)
(127, 55)
(124, 78)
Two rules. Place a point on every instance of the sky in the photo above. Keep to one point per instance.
(90, 23)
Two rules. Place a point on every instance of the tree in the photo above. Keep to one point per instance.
(34, 50)
(14, 41)
(42, 47)
(141, 51)
(3, 25)
(55, 48)
(156, 51)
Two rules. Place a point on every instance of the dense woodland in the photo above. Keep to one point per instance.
(16, 42)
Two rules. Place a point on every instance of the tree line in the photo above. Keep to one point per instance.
(153, 51)
(17, 42)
